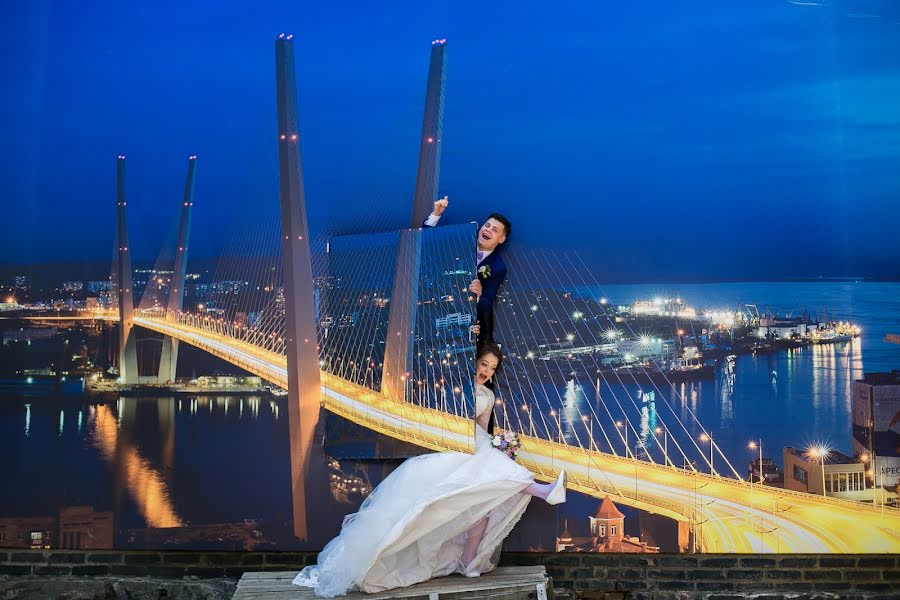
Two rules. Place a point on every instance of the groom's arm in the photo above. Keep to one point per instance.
(435, 215)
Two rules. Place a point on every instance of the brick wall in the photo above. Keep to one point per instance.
(720, 576)
(643, 577)
(133, 563)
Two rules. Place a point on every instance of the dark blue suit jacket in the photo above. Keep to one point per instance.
(490, 285)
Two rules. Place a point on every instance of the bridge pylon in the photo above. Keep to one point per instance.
(128, 366)
(168, 359)
(304, 386)
(398, 349)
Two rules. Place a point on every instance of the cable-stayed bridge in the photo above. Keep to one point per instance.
(376, 328)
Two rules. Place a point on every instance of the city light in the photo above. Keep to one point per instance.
(704, 437)
(754, 446)
(820, 453)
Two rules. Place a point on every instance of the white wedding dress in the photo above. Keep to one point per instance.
(413, 526)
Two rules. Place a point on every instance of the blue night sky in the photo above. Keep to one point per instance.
(663, 140)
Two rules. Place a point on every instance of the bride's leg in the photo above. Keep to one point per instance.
(473, 540)
(541, 490)
(551, 493)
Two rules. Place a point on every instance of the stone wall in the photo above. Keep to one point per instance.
(719, 576)
(575, 575)
(135, 563)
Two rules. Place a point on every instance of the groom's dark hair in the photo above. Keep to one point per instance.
(485, 348)
(507, 226)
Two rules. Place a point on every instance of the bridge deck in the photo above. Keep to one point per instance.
(505, 583)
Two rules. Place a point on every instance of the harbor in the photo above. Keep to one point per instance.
(666, 339)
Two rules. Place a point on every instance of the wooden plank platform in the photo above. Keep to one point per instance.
(503, 583)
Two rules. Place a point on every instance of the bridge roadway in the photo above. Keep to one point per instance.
(725, 515)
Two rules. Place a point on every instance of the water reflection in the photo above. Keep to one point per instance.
(136, 439)
(572, 398)
(145, 485)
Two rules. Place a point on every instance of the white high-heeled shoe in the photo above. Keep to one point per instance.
(464, 569)
(558, 495)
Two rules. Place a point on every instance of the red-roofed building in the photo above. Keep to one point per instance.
(607, 534)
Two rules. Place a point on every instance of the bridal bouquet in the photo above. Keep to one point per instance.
(507, 442)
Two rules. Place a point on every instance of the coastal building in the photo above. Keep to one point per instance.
(33, 334)
(876, 426)
(225, 382)
(843, 476)
(83, 528)
(606, 533)
(28, 532)
(96, 287)
(453, 320)
(784, 328)
(770, 474)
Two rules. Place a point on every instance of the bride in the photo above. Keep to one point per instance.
(436, 514)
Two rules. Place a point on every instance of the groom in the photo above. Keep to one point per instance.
(490, 272)
(489, 266)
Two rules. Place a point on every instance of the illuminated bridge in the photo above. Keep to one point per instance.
(726, 515)
(375, 328)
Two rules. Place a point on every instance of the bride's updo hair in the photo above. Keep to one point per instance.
(485, 348)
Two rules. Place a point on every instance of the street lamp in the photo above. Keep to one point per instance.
(819, 453)
(754, 446)
(590, 422)
(558, 418)
(660, 430)
(530, 419)
(622, 425)
(705, 437)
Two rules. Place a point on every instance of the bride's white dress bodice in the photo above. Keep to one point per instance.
(484, 404)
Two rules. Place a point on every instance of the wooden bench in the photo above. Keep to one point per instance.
(504, 583)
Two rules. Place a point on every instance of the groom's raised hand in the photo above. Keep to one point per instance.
(475, 287)
(440, 206)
